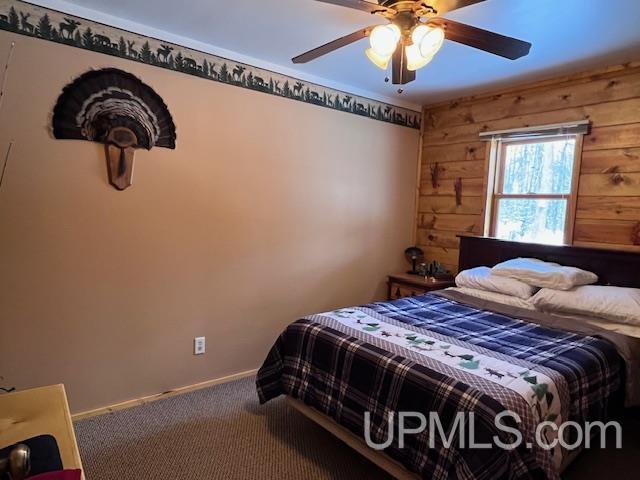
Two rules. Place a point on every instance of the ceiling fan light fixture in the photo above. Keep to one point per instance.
(415, 27)
(415, 60)
(430, 40)
(379, 61)
(418, 33)
(384, 39)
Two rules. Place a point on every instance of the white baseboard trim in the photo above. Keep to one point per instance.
(158, 396)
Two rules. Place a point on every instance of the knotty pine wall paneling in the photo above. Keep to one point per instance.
(608, 207)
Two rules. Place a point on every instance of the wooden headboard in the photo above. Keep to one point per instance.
(614, 267)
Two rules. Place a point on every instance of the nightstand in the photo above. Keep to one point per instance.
(406, 285)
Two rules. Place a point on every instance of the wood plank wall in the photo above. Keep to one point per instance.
(608, 207)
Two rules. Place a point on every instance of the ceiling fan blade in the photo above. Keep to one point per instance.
(444, 6)
(332, 46)
(491, 42)
(358, 5)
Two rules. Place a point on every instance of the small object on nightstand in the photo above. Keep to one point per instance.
(408, 285)
(434, 270)
(413, 255)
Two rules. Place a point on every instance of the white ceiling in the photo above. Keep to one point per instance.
(567, 36)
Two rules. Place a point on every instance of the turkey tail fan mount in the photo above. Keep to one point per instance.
(115, 108)
(414, 33)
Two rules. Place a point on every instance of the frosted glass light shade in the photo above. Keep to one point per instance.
(418, 33)
(415, 60)
(428, 39)
(379, 61)
(384, 39)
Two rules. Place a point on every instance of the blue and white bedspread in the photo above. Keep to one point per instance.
(431, 354)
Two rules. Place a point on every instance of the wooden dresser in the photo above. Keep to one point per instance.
(406, 285)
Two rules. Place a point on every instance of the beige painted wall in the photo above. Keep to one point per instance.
(268, 209)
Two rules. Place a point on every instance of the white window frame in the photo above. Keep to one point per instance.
(495, 179)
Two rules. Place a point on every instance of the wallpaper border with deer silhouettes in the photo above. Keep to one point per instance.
(47, 24)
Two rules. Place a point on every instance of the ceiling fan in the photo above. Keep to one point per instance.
(414, 35)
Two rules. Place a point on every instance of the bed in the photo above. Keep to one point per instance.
(448, 353)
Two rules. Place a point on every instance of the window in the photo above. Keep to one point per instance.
(533, 199)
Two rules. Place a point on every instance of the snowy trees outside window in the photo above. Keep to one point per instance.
(533, 190)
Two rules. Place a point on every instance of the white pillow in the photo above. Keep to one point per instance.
(495, 297)
(480, 278)
(616, 304)
(544, 274)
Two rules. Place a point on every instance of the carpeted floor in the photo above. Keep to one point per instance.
(222, 433)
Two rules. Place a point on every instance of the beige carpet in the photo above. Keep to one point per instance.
(222, 433)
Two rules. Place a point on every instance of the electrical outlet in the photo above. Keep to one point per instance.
(199, 345)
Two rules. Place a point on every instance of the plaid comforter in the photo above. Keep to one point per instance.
(343, 364)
